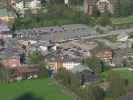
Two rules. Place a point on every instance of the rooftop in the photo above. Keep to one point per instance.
(3, 27)
(4, 12)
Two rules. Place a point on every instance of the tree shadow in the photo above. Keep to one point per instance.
(28, 96)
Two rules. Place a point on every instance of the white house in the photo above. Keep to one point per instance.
(22, 5)
(70, 64)
(55, 62)
(33, 4)
(19, 5)
(104, 5)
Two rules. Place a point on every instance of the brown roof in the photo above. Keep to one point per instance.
(26, 69)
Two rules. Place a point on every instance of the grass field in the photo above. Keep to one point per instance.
(124, 20)
(44, 89)
(123, 72)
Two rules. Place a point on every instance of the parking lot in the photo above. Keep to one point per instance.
(56, 33)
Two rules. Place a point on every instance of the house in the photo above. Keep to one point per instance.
(58, 60)
(104, 5)
(4, 30)
(12, 61)
(84, 73)
(66, 2)
(69, 63)
(26, 4)
(66, 63)
(88, 6)
(80, 68)
(25, 72)
(33, 4)
(101, 5)
(106, 55)
(6, 15)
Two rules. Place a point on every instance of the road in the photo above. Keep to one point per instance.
(116, 32)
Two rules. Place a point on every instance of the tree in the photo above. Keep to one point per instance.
(28, 96)
(35, 58)
(76, 2)
(124, 9)
(93, 92)
(104, 19)
(64, 76)
(4, 74)
(44, 70)
(94, 63)
(68, 79)
(75, 82)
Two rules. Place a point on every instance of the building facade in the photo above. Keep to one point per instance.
(101, 5)
(88, 6)
(21, 5)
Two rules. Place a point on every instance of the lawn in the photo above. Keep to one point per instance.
(123, 72)
(44, 89)
(124, 20)
(127, 74)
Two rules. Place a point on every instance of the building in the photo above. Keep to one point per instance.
(4, 30)
(106, 55)
(12, 61)
(66, 63)
(88, 6)
(58, 60)
(11, 2)
(26, 72)
(6, 15)
(101, 5)
(21, 5)
(104, 5)
(84, 74)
